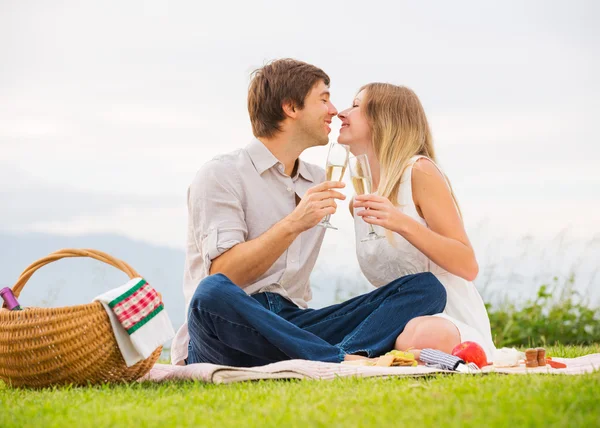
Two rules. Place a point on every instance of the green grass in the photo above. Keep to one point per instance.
(491, 400)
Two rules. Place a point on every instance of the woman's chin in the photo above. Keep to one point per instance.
(343, 140)
(354, 148)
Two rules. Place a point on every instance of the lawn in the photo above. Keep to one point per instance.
(456, 400)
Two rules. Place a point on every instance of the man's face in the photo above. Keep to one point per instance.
(315, 118)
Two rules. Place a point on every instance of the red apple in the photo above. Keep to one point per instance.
(471, 352)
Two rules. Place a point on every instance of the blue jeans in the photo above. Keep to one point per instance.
(229, 327)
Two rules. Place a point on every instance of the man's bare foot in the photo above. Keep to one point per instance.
(352, 357)
(415, 352)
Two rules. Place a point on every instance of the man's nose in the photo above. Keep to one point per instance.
(332, 110)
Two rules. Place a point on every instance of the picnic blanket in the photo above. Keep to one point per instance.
(304, 369)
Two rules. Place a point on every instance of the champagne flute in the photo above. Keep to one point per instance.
(360, 172)
(337, 161)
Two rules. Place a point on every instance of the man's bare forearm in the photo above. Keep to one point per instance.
(246, 262)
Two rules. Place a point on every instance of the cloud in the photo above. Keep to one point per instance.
(29, 204)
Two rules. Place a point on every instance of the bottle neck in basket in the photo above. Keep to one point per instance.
(10, 300)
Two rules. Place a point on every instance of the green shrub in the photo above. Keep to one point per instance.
(553, 316)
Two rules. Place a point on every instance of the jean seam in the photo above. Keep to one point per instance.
(269, 302)
(360, 327)
(274, 304)
(277, 306)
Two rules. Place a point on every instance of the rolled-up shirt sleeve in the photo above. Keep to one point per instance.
(215, 209)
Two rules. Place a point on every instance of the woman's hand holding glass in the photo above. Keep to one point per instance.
(360, 172)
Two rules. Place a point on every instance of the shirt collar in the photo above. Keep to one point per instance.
(304, 172)
(263, 159)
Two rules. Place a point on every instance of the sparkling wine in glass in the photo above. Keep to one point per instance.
(337, 161)
(360, 172)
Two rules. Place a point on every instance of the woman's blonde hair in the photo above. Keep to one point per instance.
(399, 131)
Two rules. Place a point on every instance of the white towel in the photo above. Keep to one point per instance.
(138, 319)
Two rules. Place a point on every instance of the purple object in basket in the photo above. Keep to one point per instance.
(9, 298)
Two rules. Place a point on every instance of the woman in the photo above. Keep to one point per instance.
(415, 205)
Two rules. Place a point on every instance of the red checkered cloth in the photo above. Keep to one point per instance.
(137, 306)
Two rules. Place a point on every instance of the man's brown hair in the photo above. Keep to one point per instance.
(281, 81)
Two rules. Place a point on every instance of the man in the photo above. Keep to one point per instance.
(253, 241)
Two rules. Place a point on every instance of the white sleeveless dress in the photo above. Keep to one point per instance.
(382, 263)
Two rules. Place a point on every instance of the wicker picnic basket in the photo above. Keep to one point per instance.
(41, 347)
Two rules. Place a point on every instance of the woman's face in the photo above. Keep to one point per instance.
(355, 131)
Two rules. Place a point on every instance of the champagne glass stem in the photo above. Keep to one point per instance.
(325, 223)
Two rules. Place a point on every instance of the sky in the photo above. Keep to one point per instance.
(108, 109)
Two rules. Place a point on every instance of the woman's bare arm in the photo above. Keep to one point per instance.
(445, 240)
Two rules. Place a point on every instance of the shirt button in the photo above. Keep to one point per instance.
(289, 189)
(293, 261)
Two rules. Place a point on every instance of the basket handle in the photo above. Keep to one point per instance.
(71, 252)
